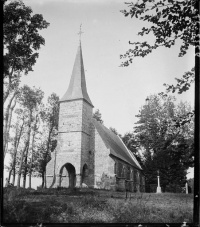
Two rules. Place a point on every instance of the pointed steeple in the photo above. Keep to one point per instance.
(77, 86)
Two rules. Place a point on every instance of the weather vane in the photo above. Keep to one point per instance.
(80, 32)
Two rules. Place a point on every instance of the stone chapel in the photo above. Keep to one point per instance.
(88, 152)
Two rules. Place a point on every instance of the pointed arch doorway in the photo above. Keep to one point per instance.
(85, 174)
(67, 176)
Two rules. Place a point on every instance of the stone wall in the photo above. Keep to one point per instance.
(70, 116)
(73, 139)
(86, 117)
(103, 164)
(128, 178)
(91, 162)
(85, 143)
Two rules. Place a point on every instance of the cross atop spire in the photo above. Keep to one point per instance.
(80, 32)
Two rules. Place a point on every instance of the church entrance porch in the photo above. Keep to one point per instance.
(67, 176)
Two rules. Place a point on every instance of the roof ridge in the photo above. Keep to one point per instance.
(115, 144)
(131, 154)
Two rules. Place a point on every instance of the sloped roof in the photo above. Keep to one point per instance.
(77, 86)
(115, 144)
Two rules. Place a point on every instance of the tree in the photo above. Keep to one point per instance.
(50, 118)
(35, 131)
(29, 99)
(97, 116)
(167, 140)
(19, 127)
(42, 157)
(183, 84)
(7, 121)
(115, 131)
(21, 42)
(132, 144)
(170, 20)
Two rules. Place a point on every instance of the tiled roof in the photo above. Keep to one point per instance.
(77, 86)
(115, 144)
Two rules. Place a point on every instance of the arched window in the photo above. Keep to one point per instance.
(119, 170)
(138, 177)
(128, 175)
(115, 168)
(132, 177)
(143, 180)
(135, 176)
(124, 172)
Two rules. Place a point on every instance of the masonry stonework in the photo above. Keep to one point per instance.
(73, 140)
(104, 164)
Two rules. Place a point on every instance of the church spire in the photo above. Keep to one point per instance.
(77, 86)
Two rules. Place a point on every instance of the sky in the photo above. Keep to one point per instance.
(118, 92)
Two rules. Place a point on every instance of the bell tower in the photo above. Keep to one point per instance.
(74, 130)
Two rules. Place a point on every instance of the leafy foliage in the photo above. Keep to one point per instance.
(21, 42)
(183, 84)
(49, 116)
(33, 120)
(132, 144)
(97, 116)
(115, 131)
(21, 37)
(170, 20)
(166, 136)
(30, 98)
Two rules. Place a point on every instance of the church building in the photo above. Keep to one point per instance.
(87, 152)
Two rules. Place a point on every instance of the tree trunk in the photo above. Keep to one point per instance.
(30, 171)
(45, 158)
(14, 174)
(9, 123)
(15, 143)
(45, 181)
(30, 174)
(15, 151)
(9, 175)
(31, 163)
(54, 171)
(12, 164)
(6, 119)
(25, 165)
(22, 154)
(42, 179)
(7, 92)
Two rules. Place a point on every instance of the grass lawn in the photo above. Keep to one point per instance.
(94, 206)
